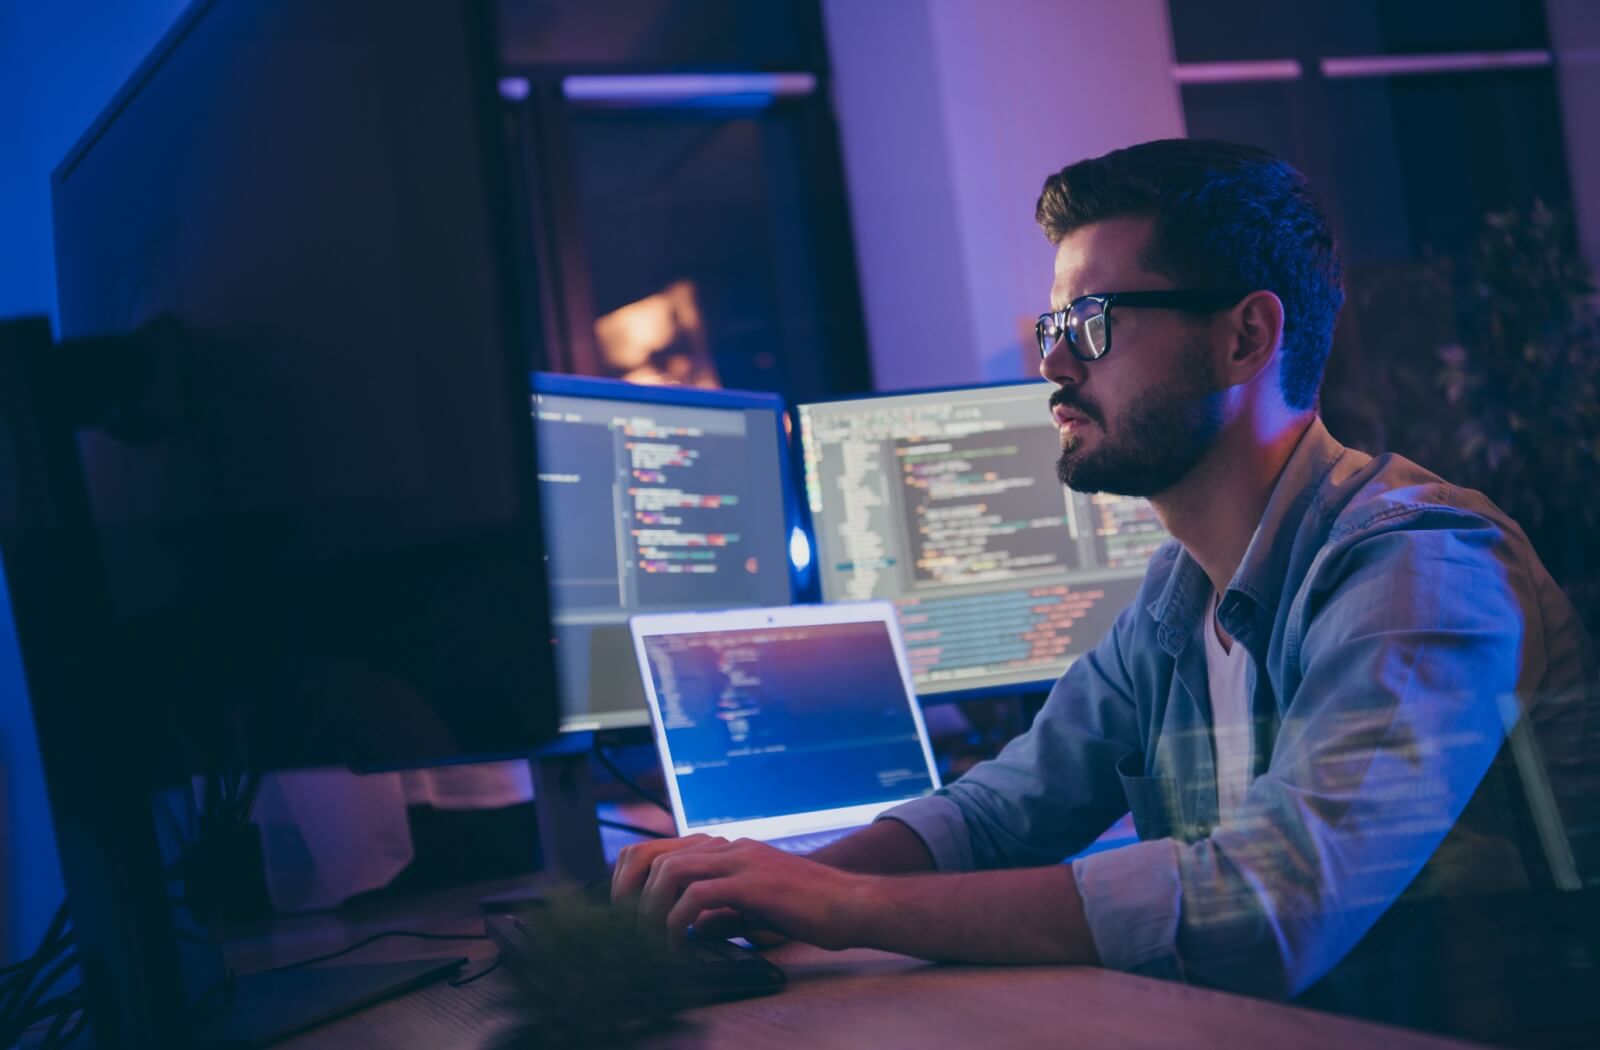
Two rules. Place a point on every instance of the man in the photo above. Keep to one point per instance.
(1304, 706)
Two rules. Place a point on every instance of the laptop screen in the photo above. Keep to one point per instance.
(781, 720)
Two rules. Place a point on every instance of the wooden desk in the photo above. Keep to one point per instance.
(864, 998)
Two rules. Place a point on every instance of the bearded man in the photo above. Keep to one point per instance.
(1310, 708)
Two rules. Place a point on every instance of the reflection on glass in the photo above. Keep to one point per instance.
(658, 340)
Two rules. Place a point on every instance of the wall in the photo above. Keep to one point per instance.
(951, 115)
(1575, 37)
(60, 62)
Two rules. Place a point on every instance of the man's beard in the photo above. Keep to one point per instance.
(1158, 441)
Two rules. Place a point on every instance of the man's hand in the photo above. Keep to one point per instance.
(728, 888)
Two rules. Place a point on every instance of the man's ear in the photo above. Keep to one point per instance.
(1255, 331)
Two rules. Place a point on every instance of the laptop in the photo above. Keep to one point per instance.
(794, 725)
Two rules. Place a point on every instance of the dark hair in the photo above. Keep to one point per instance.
(1226, 216)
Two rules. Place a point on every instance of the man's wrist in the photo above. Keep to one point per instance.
(863, 906)
(885, 847)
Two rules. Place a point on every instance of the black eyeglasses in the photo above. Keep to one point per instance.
(1086, 322)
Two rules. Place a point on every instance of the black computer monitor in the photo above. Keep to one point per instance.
(655, 499)
(330, 555)
(947, 503)
(309, 534)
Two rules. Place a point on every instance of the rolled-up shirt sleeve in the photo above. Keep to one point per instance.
(1132, 900)
(1393, 724)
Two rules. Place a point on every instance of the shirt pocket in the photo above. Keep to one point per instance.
(1153, 801)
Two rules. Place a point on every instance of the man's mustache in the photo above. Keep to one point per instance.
(1067, 398)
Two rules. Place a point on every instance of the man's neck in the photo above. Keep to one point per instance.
(1215, 509)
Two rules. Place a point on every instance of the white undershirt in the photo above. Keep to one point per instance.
(1230, 716)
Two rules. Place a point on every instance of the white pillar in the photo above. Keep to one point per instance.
(1575, 38)
(951, 115)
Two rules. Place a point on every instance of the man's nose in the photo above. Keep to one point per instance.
(1060, 367)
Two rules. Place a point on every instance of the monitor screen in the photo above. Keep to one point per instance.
(655, 499)
(326, 549)
(759, 727)
(947, 503)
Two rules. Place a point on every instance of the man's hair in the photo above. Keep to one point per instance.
(1226, 216)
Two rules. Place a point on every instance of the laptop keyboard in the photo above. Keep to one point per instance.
(812, 842)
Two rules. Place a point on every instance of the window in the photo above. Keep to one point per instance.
(687, 214)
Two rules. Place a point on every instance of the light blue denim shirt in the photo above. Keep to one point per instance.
(1392, 622)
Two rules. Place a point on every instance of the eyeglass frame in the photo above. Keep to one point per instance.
(1196, 300)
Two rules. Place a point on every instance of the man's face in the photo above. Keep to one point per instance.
(1137, 420)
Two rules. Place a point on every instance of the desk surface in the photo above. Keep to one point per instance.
(867, 998)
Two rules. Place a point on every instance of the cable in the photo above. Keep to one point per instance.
(25, 1013)
(66, 1016)
(20, 993)
(59, 1035)
(486, 971)
(378, 937)
(227, 983)
(628, 782)
(632, 828)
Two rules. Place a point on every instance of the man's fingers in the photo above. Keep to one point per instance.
(635, 861)
(726, 922)
(671, 875)
(714, 895)
(764, 938)
(719, 922)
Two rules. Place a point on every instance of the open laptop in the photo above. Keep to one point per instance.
(792, 725)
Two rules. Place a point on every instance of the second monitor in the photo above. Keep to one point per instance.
(947, 503)
(655, 499)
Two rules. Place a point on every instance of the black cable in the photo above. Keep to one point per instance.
(59, 1035)
(628, 782)
(228, 982)
(632, 829)
(55, 934)
(53, 1007)
(18, 991)
(486, 971)
(378, 937)
(60, 1012)
(31, 1001)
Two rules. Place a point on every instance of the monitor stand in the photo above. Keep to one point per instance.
(569, 829)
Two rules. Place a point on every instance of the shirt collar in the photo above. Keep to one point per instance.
(1247, 605)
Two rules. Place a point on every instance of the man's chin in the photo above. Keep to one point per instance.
(1070, 471)
(1081, 473)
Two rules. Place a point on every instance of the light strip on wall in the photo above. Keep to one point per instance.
(1411, 65)
(1236, 72)
(687, 89)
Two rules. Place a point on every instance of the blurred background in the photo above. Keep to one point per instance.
(822, 197)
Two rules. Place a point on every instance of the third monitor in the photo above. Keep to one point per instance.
(947, 503)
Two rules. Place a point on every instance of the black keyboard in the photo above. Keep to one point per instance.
(594, 955)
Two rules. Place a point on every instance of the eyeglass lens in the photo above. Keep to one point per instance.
(1086, 331)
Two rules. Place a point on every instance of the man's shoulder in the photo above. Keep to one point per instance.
(1390, 493)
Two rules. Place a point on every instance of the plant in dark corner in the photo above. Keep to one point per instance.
(1486, 370)
(1523, 383)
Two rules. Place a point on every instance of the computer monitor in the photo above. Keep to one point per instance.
(310, 534)
(947, 503)
(655, 499)
(330, 555)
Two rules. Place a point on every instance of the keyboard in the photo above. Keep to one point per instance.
(594, 955)
(802, 844)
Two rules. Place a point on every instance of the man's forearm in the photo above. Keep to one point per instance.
(886, 847)
(1023, 915)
